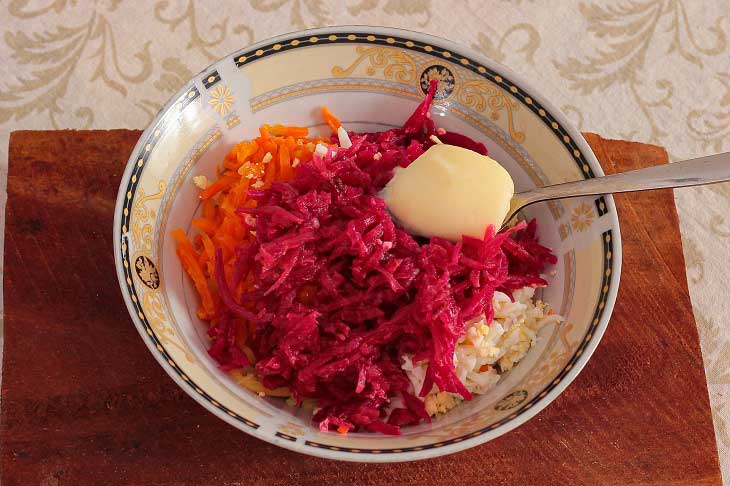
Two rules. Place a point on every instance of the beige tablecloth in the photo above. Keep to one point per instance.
(649, 70)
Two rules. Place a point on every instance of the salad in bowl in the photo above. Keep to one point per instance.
(305, 240)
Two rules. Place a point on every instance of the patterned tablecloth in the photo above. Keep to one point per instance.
(655, 71)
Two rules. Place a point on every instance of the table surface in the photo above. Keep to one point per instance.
(651, 71)
(84, 402)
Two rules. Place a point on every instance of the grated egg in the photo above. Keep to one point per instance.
(487, 347)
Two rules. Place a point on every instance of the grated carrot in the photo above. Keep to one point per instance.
(331, 119)
(286, 131)
(223, 183)
(189, 259)
(284, 164)
(246, 166)
(204, 225)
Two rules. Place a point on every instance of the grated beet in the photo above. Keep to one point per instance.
(340, 293)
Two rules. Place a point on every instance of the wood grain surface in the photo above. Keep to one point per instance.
(84, 402)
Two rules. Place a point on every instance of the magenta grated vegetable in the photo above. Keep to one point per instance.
(341, 293)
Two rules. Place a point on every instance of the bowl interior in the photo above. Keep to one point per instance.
(372, 79)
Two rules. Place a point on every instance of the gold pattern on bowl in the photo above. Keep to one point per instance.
(370, 66)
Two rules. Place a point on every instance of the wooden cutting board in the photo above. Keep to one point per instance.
(84, 402)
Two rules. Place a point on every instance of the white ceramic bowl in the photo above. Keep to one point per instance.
(372, 78)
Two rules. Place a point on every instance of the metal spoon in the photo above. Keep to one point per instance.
(694, 172)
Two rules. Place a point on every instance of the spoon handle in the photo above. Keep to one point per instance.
(703, 170)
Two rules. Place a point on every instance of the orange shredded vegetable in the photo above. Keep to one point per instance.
(189, 259)
(331, 119)
(250, 164)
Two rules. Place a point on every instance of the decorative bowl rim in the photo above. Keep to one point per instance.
(425, 453)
